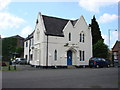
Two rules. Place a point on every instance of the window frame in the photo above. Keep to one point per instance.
(55, 55)
(69, 36)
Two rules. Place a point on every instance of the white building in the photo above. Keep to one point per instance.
(59, 42)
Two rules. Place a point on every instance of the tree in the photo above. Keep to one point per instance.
(96, 33)
(8, 47)
(100, 49)
(19, 50)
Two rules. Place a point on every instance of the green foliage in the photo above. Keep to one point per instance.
(19, 50)
(8, 47)
(100, 49)
(96, 33)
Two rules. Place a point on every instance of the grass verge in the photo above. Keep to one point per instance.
(6, 68)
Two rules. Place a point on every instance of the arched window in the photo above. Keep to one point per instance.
(83, 38)
(55, 55)
(83, 55)
(69, 36)
(26, 44)
(80, 55)
(80, 37)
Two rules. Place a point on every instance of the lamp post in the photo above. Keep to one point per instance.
(110, 45)
(109, 35)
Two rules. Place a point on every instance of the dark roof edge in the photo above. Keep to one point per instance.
(54, 35)
(30, 36)
(115, 44)
(15, 36)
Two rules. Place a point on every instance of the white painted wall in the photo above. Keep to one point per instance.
(57, 43)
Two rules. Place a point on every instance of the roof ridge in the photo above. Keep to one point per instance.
(59, 18)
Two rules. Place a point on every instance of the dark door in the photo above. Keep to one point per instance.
(69, 57)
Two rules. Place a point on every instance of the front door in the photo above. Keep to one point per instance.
(69, 57)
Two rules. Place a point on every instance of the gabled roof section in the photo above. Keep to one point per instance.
(16, 36)
(116, 46)
(54, 26)
(30, 36)
(74, 21)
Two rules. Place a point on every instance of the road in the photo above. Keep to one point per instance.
(61, 78)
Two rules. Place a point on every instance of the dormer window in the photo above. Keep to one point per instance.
(69, 36)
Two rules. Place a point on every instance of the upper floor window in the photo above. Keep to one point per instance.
(69, 36)
(30, 42)
(26, 44)
(82, 37)
(37, 21)
(55, 55)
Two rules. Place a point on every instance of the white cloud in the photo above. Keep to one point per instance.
(26, 31)
(95, 5)
(4, 4)
(105, 18)
(8, 20)
(3, 36)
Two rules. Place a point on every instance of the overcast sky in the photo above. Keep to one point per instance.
(19, 16)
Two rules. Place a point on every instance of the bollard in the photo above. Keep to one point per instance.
(14, 67)
(9, 67)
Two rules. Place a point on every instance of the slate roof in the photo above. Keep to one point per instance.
(54, 26)
(30, 36)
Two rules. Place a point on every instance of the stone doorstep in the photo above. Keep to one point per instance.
(71, 67)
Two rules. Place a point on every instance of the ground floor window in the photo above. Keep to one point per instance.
(55, 55)
(31, 57)
(26, 57)
(82, 55)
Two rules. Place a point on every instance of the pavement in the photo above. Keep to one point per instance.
(61, 78)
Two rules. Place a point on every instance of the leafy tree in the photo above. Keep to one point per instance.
(8, 47)
(96, 33)
(100, 49)
(19, 50)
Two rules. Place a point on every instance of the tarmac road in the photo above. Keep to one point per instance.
(61, 78)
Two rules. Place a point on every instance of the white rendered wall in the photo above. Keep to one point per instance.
(57, 43)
